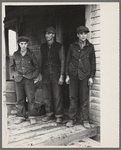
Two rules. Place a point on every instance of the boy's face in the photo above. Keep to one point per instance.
(49, 36)
(82, 36)
(23, 45)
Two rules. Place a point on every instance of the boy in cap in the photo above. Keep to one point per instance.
(52, 70)
(80, 71)
(25, 69)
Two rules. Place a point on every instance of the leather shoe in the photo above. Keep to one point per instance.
(70, 123)
(86, 125)
(59, 120)
(18, 121)
(47, 118)
(33, 121)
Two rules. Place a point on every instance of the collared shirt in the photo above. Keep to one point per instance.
(24, 66)
(81, 61)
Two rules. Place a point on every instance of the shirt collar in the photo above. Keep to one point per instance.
(87, 42)
(27, 53)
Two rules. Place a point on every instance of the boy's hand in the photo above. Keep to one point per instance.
(61, 80)
(90, 81)
(67, 80)
(15, 74)
(39, 78)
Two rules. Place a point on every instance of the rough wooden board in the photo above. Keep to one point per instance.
(95, 7)
(10, 85)
(95, 93)
(95, 106)
(95, 87)
(97, 46)
(95, 112)
(11, 97)
(97, 74)
(65, 139)
(33, 133)
(98, 66)
(95, 40)
(95, 100)
(95, 13)
(95, 122)
(86, 142)
(96, 80)
(41, 138)
(32, 128)
(97, 54)
(95, 118)
(95, 27)
(95, 34)
(95, 20)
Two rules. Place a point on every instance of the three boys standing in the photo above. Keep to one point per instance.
(80, 71)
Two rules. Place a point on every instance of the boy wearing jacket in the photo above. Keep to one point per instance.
(80, 71)
(25, 70)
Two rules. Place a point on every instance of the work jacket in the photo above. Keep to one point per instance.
(81, 61)
(52, 59)
(24, 66)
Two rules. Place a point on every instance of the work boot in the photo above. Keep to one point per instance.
(18, 121)
(33, 121)
(47, 118)
(70, 123)
(59, 120)
(86, 124)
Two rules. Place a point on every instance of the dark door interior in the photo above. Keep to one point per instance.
(73, 17)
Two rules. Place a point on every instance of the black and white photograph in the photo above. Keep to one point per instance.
(60, 74)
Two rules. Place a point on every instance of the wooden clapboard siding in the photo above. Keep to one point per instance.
(95, 34)
(97, 74)
(95, 100)
(95, 7)
(95, 87)
(95, 20)
(95, 13)
(97, 60)
(95, 93)
(96, 80)
(97, 47)
(97, 54)
(95, 106)
(95, 27)
(95, 112)
(95, 39)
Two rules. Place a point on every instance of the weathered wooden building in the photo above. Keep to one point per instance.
(32, 21)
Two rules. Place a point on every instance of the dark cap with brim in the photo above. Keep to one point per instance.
(50, 30)
(82, 29)
(23, 39)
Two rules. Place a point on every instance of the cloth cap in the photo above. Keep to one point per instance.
(50, 30)
(23, 39)
(82, 29)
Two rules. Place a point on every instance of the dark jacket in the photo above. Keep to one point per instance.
(52, 58)
(81, 61)
(24, 66)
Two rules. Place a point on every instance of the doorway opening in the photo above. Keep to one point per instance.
(73, 17)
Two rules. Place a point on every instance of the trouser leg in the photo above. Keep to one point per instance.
(73, 94)
(84, 98)
(21, 97)
(30, 93)
(57, 97)
(48, 99)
